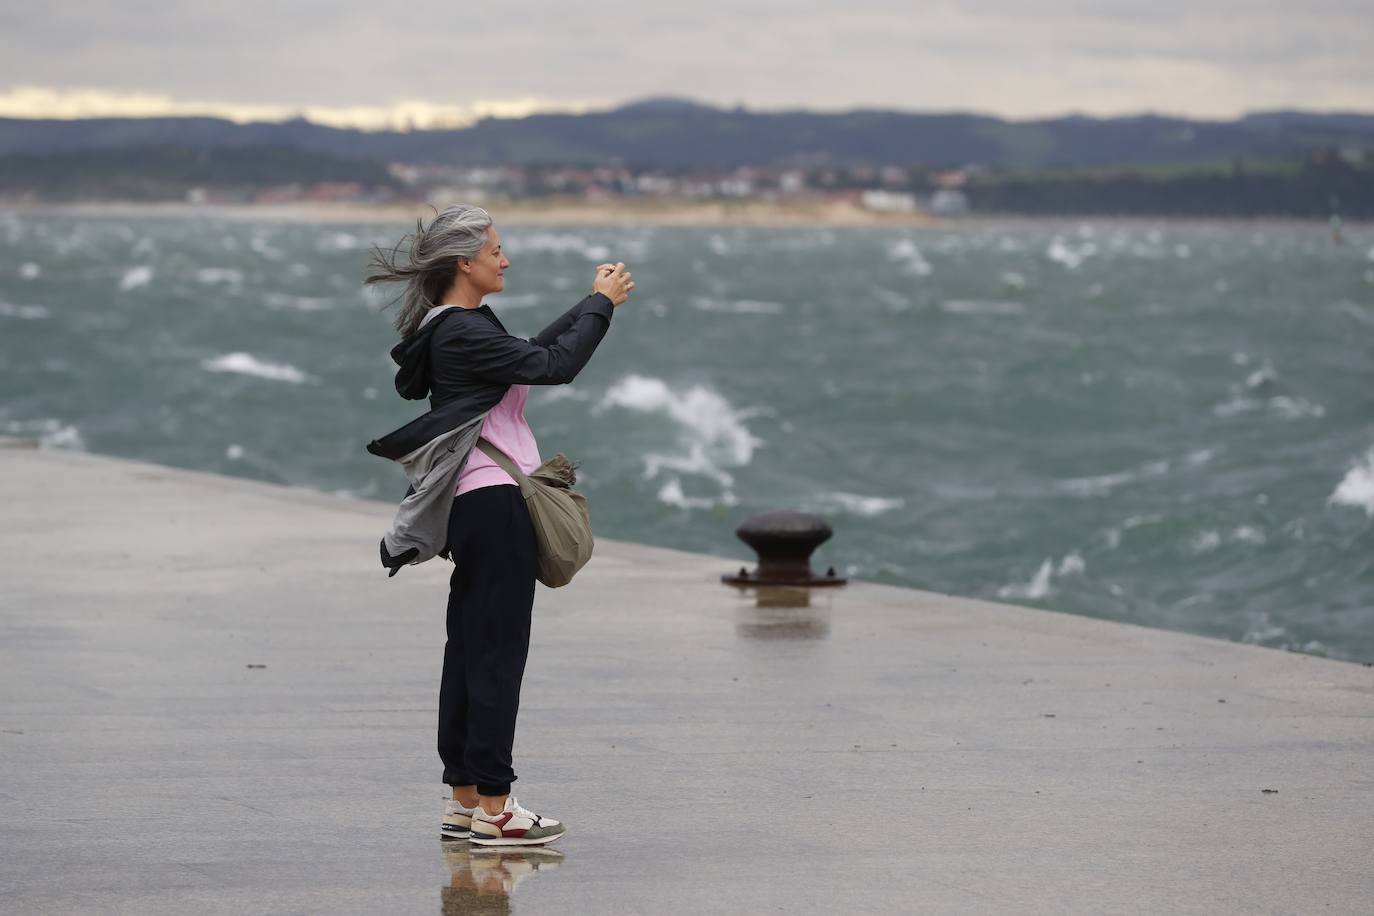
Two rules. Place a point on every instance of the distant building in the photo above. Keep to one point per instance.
(888, 201)
(954, 178)
(893, 177)
(793, 181)
(735, 186)
(949, 202)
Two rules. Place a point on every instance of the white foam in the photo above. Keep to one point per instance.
(30, 271)
(338, 241)
(1265, 376)
(1041, 584)
(278, 300)
(265, 248)
(1206, 541)
(1286, 407)
(1072, 258)
(712, 432)
(671, 493)
(950, 244)
(234, 452)
(211, 276)
(51, 433)
(1236, 406)
(248, 364)
(981, 307)
(558, 243)
(1103, 484)
(1295, 408)
(1038, 587)
(1262, 631)
(1113, 535)
(737, 306)
(905, 252)
(1072, 564)
(893, 300)
(1013, 279)
(551, 393)
(1193, 601)
(1260, 391)
(1356, 488)
(856, 504)
(136, 277)
(1248, 534)
(23, 312)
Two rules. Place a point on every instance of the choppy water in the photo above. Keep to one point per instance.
(1166, 424)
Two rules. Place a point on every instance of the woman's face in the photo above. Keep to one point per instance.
(488, 268)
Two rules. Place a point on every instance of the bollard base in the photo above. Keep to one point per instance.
(745, 577)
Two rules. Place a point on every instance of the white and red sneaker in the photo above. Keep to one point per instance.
(456, 822)
(514, 826)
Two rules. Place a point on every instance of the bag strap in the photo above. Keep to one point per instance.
(504, 462)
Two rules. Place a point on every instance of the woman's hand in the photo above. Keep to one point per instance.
(613, 281)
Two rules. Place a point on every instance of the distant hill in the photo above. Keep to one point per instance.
(151, 173)
(680, 133)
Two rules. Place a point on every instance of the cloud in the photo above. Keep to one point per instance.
(1205, 57)
(42, 102)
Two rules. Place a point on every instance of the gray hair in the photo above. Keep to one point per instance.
(430, 261)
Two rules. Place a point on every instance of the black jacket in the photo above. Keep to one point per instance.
(465, 361)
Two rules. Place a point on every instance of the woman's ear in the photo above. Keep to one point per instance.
(465, 265)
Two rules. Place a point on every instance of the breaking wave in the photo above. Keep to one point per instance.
(1356, 488)
(712, 435)
(248, 364)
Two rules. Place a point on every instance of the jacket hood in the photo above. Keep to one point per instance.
(412, 355)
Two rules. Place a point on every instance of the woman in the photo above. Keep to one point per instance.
(462, 505)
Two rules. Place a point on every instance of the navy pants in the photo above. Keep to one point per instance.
(491, 594)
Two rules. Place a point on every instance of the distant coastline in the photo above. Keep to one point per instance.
(657, 212)
(828, 214)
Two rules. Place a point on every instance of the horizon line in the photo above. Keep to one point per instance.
(35, 103)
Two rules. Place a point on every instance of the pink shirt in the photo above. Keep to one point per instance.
(504, 427)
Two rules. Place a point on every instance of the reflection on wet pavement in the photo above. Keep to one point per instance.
(482, 879)
(783, 612)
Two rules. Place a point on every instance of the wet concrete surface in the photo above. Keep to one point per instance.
(214, 701)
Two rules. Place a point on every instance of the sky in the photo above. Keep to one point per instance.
(370, 64)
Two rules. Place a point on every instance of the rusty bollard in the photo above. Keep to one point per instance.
(784, 540)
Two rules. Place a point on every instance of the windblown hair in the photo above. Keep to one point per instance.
(430, 262)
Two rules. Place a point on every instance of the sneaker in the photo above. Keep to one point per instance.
(505, 868)
(514, 826)
(482, 877)
(457, 821)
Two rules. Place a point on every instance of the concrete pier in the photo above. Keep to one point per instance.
(214, 701)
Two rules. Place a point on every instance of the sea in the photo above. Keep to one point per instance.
(1165, 423)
